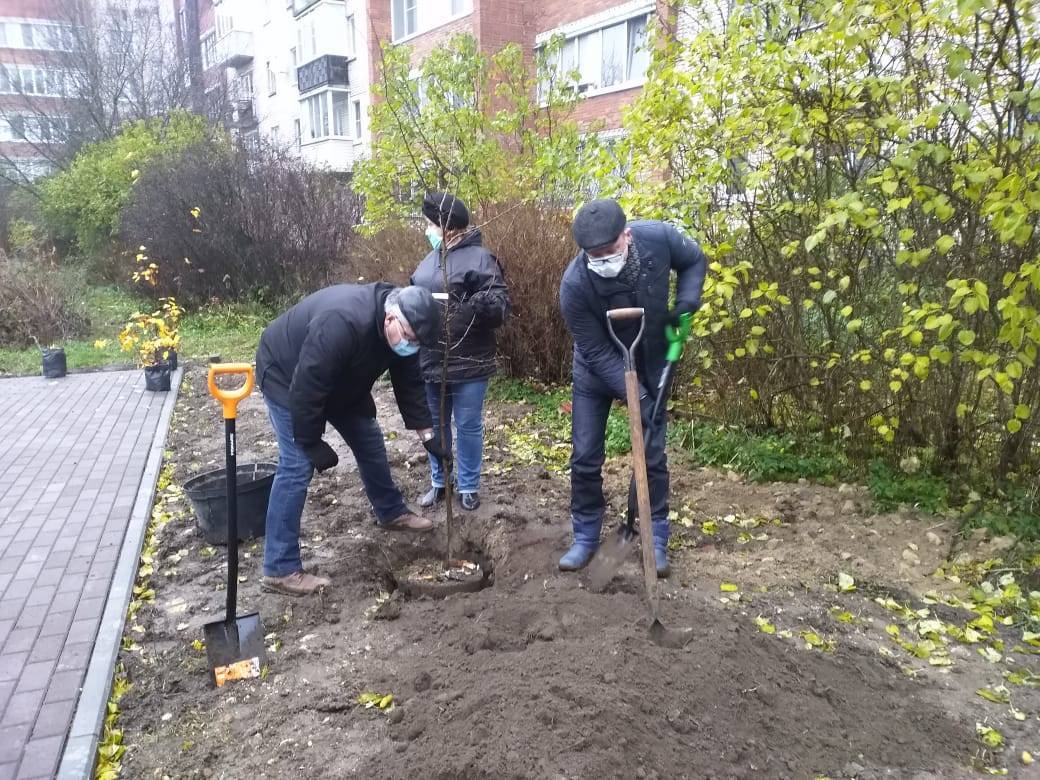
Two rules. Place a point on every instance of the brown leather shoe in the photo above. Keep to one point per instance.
(299, 583)
(408, 523)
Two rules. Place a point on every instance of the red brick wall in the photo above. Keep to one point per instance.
(32, 9)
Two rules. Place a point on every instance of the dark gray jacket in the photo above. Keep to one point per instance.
(321, 358)
(661, 250)
(479, 303)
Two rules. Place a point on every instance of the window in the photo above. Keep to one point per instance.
(351, 33)
(297, 134)
(28, 38)
(608, 57)
(276, 134)
(245, 85)
(460, 7)
(224, 25)
(272, 80)
(357, 119)
(3, 34)
(208, 48)
(340, 113)
(406, 18)
(17, 126)
(292, 53)
(317, 108)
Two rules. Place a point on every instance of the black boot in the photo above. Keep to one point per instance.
(434, 496)
(469, 501)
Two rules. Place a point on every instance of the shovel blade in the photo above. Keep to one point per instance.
(610, 557)
(235, 648)
(667, 637)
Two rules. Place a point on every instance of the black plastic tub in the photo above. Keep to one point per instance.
(54, 365)
(208, 495)
(157, 378)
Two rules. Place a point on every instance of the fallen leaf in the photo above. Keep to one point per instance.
(728, 587)
(845, 583)
(764, 625)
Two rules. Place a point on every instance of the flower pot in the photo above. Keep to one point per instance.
(54, 366)
(157, 378)
(208, 495)
(167, 355)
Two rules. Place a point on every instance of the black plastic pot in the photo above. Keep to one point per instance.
(54, 366)
(157, 378)
(208, 495)
(167, 355)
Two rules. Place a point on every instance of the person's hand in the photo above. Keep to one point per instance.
(675, 315)
(321, 455)
(433, 446)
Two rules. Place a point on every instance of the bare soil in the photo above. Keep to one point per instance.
(537, 677)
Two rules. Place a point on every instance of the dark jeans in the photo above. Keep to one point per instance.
(590, 406)
(289, 491)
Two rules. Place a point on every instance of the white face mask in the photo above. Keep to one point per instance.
(608, 267)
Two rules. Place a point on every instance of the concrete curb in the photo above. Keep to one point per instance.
(77, 762)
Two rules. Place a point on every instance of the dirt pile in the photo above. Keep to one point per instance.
(532, 677)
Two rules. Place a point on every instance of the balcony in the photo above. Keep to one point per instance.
(331, 153)
(243, 114)
(329, 70)
(234, 49)
(299, 6)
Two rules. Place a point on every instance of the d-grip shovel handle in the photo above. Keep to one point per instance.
(229, 399)
(629, 313)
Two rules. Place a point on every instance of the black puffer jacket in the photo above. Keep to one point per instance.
(479, 303)
(321, 358)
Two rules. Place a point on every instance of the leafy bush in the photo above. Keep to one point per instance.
(39, 303)
(221, 224)
(84, 202)
(864, 181)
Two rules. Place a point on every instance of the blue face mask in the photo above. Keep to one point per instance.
(434, 237)
(405, 348)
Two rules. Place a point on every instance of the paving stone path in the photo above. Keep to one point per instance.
(73, 454)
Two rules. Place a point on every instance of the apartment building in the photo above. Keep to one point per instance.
(34, 37)
(285, 70)
(604, 40)
(298, 72)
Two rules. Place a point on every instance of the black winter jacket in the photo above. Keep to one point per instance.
(479, 302)
(661, 249)
(321, 358)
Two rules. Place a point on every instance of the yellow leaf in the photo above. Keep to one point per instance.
(999, 695)
(1027, 757)
(845, 583)
(764, 625)
(728, 587)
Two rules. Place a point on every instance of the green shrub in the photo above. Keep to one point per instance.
(85, 201)
(891, 488)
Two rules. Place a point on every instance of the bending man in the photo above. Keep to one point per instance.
(316, 364)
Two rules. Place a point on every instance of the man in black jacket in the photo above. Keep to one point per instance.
(316, 364)
(621, 264)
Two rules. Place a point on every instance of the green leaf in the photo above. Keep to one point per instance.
(846, 584)
(764, 625)
(1022, 412)
(966, 337)
(945, 244)
(853, 325)
(1014, 425)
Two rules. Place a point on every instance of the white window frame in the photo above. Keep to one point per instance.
(429, 15)
(358, 123)
(352, 34)
(272, 80)
(209, 49)
(578, 33)
(325, 115)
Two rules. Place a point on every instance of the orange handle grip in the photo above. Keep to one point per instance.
(631, 313)
(229, 398)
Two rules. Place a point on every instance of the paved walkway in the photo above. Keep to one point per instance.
(73, 453)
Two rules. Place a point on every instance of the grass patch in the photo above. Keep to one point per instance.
(229, 330)
(891, 488)
(765, 457)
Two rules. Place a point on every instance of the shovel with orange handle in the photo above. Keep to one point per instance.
(234, 645)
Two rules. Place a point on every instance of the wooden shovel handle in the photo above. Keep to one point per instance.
(631, 313)
(646, 533)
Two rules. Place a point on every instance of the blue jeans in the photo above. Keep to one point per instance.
(466, 401)
(590, 406)
(293, 476)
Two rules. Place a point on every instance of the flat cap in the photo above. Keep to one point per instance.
(422, 312)
(445, 210)
(597, 223)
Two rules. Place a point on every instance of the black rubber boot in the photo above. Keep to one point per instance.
(469, 501)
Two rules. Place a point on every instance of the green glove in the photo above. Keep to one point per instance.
(676, 336)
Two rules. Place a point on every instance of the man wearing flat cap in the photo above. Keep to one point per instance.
(621, 264)
(316, 364)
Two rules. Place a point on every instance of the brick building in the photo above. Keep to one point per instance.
(604, 39)
(34, 38)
